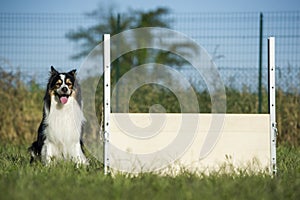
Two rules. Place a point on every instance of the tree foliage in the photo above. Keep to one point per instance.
(113, 23)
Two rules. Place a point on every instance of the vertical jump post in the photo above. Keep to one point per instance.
(272, 99)
(106, 100)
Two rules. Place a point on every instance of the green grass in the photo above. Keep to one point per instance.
(20, 180)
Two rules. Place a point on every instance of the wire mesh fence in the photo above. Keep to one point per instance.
(32, 43)
(232, 39)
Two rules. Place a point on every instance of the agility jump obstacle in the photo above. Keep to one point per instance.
(246, 140)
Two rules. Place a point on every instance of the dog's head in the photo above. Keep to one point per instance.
(62, 85)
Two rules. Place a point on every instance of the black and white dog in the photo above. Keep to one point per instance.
(60, 132)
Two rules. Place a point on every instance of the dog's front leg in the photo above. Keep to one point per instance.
(77, 155)
(48, 152)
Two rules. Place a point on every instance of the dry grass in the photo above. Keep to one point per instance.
(288, 117)
(21, 108)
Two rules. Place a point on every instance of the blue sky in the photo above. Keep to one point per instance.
(80, 6)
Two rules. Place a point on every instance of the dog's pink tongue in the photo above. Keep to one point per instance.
(63, 100)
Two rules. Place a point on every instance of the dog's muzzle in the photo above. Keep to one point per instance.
(64, 95)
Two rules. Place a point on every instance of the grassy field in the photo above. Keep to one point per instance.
(20, 180)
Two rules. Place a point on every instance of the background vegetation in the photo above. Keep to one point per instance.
(21, 107)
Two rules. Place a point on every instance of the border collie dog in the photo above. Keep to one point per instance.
(60, 132)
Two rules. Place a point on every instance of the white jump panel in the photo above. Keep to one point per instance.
(243, 142)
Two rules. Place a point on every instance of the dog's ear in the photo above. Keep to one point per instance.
(72, 72)
(53, 71)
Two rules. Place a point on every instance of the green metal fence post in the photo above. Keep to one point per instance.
(260, 63)
(117, 65)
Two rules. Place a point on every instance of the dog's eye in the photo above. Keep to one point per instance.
(58, 84)
(68, 82)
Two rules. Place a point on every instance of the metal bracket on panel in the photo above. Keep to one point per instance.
(273, 143)
(106, 141)
(275, 129)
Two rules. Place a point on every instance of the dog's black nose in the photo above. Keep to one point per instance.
(64, 89)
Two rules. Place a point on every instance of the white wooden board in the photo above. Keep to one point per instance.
(243, 142)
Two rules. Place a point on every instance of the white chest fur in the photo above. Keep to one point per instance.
(64, 126)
